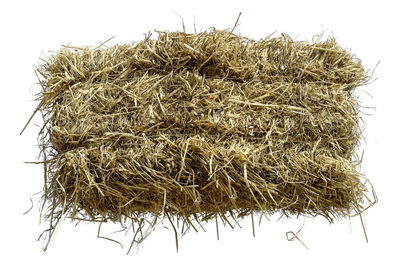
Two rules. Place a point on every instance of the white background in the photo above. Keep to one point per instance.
(368, 29)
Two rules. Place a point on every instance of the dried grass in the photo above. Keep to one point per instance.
(192, 127)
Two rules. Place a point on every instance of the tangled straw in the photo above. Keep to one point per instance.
(192, 127)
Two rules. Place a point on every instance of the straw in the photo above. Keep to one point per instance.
(199, 127)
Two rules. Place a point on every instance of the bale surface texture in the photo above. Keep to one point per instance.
(199, 126)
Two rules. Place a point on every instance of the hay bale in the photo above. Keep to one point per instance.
(195, 126)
